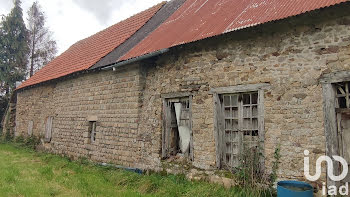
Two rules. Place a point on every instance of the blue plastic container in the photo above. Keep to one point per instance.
(294, 189)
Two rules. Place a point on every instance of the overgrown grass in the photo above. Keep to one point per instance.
(24, 172)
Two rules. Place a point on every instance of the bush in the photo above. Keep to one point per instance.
(251, 174)
(32, 142)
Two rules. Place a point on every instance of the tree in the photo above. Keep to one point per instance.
(42, 47)
(13, 53)
(13, 49)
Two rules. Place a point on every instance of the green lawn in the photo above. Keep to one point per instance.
(26, 173)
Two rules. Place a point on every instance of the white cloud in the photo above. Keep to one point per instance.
(73, 20)
(5, 6)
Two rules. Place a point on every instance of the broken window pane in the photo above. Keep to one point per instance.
(343, 99)
(342, 102)
(246, 99)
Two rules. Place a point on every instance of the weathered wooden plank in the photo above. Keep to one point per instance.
(261, 124)
(330, 125)
(176, 95)
(342, 110)
(191, 129)
(241, 147)
(335, 77)
(239, 88)
(164, 152)
(217, 109)
(48, 129)
(339, 118)
(347, 95)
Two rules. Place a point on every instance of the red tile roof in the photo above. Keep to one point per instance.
(199, 19)
(85, 53)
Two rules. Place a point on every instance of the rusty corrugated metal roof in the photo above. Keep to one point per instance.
(199, 19)
(85, 53)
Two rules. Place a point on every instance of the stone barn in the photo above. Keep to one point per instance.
(204, 80)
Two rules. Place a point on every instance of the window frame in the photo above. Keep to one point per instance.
(166, 115)
(330, 110)
(219, 115)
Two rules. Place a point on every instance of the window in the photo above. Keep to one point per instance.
(239, 124)
(92, 131)
(177, 130)
(48, 129)
(342, 94)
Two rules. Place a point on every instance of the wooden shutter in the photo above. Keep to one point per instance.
(48, 129)
(30, 128)
(219, 130)
(166, 128)
(190, 126)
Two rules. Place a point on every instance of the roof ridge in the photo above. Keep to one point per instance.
(162, 4)
(124, 20)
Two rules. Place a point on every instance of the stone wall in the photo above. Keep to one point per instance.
(111, 96)
(290, 55)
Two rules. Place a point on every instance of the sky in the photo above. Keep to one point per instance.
(73, 20)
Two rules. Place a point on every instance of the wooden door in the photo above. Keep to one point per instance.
(344, 138)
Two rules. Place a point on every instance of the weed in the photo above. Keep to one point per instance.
(275, 164)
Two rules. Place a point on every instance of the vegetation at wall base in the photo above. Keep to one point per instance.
(29, 173)
(251, 173)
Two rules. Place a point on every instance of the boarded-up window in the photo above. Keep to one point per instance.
(30, 128)
(48, 129)
(239, 126)
(177, 132)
